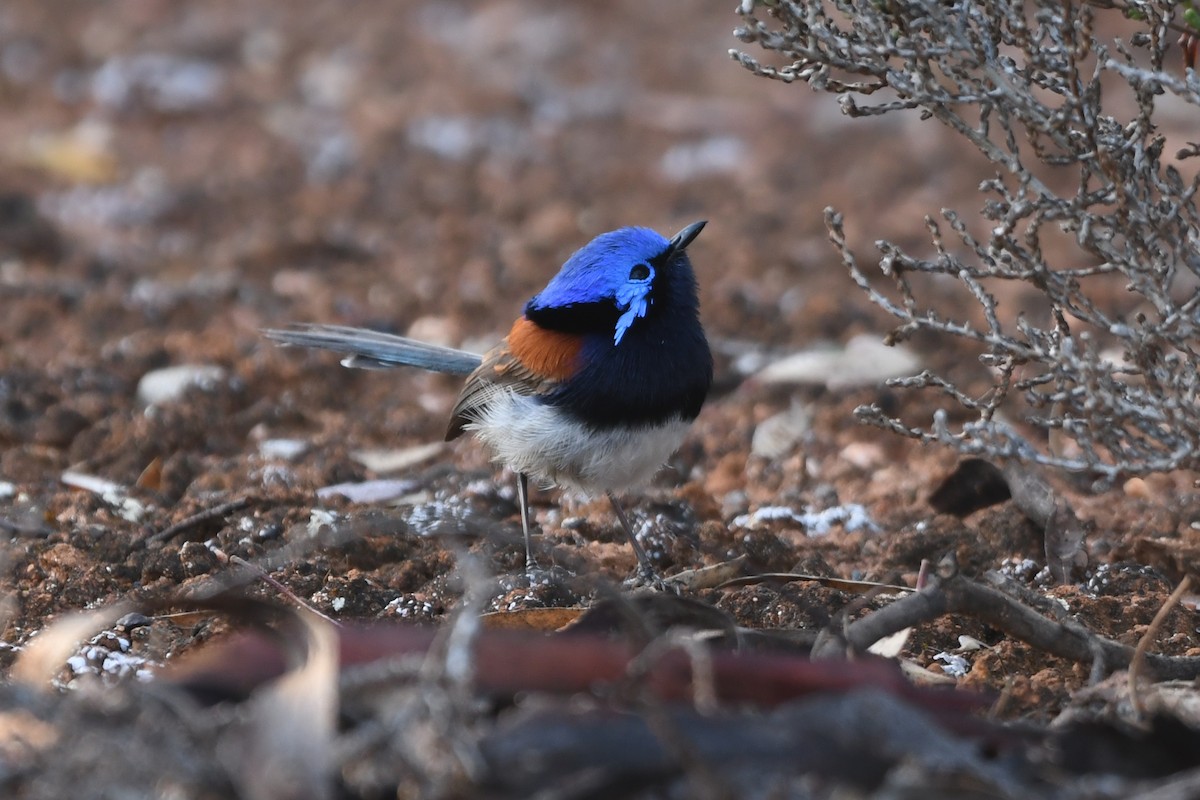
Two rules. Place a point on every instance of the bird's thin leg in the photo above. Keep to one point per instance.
(523, 497)
(647, 569)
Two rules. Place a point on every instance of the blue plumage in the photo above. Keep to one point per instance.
(632, 294)
(599, 270)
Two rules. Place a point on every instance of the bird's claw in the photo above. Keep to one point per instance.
(647, 577)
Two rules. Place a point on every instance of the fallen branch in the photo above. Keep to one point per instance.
(949, 592)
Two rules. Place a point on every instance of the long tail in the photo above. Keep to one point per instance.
(368, 349)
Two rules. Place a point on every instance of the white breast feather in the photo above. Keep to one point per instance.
(552, 448)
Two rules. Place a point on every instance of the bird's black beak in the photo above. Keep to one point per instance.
(681, 240)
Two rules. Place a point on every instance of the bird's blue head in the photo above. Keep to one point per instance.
(618, 278)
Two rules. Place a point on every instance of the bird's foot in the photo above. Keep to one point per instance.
(647, 577)
(537, 575)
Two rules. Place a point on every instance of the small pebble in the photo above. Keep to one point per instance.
(132, 620)
(286, 449)
(164, 385)
(1137, 488)
(864, 455)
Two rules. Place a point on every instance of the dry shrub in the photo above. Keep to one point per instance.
(1038, 90)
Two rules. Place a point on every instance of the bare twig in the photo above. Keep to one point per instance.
(287, 593)
(1062, 532)
(949, 592)
(200, 518)
(1137, 664)
(1113, 382)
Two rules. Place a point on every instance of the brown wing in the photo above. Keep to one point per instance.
(530, 361)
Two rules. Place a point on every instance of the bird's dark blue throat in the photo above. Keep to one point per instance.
(661, 369)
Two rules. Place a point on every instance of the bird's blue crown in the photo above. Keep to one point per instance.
(611, 280)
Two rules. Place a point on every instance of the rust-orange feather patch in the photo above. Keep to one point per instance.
(549, 354)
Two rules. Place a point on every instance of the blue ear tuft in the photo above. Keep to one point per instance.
(637, 308)
(632, 298)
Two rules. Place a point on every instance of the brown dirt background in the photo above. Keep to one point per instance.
(424, 168)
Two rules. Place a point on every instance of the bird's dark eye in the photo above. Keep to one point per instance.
(640, 272)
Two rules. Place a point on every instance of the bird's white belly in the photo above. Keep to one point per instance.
(551, 447)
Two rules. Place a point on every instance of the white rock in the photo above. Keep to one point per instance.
(863, 361)
(385, 461)
(164, 385)
(377, 491)
(852, 517)
(712, 156)
(287, 449)
(776, 436)
(864, 455)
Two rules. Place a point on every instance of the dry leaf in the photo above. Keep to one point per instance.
(892, 645)
(776, 436)
(531, 619)
(975, 484)
(80, 155)
(707, 577)
(386, 461)
(91, 483)
(925, 677)
(151, 477)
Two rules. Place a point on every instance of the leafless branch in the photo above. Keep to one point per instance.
(1034, 88)
(949, 592)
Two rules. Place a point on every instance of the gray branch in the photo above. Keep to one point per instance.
(1117, 381)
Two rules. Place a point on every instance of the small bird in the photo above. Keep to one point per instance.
(596, 383)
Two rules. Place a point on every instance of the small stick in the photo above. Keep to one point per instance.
(199, 518)
(949, 592)
(1138, 662)
(923, 574)
(1003, 701)
(287, 593)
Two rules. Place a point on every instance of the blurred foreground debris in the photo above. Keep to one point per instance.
(639, 700)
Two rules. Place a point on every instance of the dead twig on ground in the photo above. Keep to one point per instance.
(284, 591)
(1137, 664)
(199, 518)
(949, 592)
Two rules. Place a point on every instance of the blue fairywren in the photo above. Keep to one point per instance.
(595, 384)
